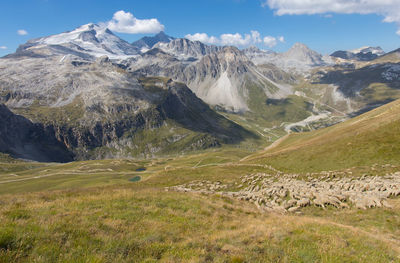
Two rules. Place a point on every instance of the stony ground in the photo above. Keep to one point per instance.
(282, 192)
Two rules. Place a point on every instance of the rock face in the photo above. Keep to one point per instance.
(23, 139)
(182, 106)
(96, 109)
(221, 78)
(258, 56)
(185, 49)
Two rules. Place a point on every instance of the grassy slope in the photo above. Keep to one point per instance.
(275, 111)
(138, 224)
(373, 137)
(393, 57)
(97, 215)
(103, 217)
(28, 177)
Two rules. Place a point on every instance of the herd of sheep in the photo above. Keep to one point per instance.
(291, 192)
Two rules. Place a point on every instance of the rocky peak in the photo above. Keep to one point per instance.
(252, 49)
(232, 55)
(147, 43)
(302, 53)
(300, 48)
(184, 48)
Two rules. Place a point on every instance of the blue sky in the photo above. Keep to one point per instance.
(324, 31)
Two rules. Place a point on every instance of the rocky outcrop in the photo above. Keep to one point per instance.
(185, 49)
(184, 107)
(84, 138)
(21, 138)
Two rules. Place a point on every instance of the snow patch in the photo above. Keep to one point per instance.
(94, 39)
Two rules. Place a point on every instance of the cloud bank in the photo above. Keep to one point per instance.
(3, 47)
(237, 39)
(389, 9)
(125, 22)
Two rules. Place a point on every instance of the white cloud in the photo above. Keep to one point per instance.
(281, 39)
(389, 9)
(237, 39)
(22, 32)
(3, 47)
(125, 22)
(203, 37)
(270, 41)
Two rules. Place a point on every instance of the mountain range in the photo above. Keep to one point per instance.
(98, 96)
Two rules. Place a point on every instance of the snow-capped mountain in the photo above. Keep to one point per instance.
(146, 43)
(360, 54)
(90, 40)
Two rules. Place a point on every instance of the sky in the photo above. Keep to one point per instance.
(323, 25)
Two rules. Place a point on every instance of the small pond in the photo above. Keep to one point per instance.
(135, 179)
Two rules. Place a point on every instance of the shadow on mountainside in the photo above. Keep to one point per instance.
(23, 139)
(184, 107)
(352, 81)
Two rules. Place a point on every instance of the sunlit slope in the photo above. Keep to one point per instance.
(373, 137)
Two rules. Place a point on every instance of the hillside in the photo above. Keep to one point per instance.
(120, 210)
(96, 109)
(371, 138)
(214, 205)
